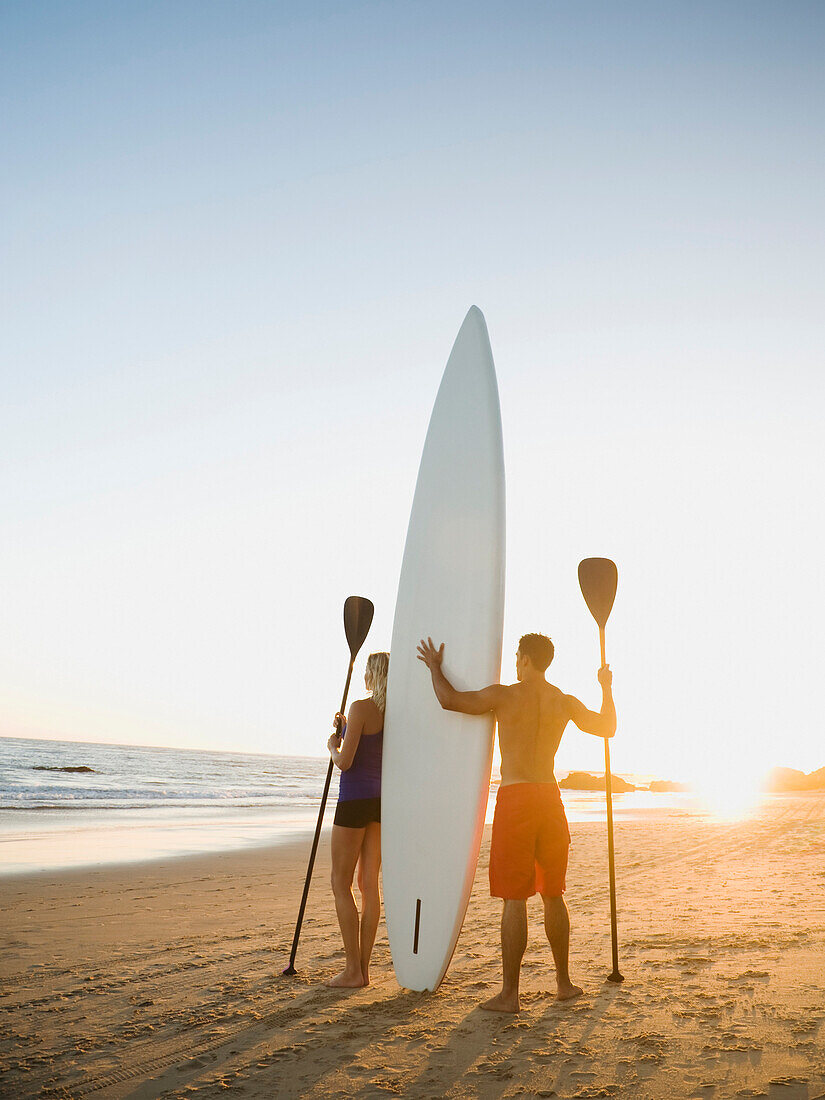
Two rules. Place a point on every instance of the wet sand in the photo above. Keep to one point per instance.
(164, 979)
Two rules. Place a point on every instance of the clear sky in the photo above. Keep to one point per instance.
(238, 241)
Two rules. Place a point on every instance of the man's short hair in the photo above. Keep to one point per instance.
(538, 648)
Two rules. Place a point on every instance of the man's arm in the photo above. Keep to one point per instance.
(465, 702)
(603, 723)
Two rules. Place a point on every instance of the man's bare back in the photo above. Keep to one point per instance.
(531, 720)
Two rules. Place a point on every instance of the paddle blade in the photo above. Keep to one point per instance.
(598, 578)
(358, 613)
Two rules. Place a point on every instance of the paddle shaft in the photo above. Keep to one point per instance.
(291, 968)
(611, 862)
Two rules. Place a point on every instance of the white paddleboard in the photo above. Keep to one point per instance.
(436, 763)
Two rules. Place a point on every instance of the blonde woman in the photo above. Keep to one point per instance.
(356, 832)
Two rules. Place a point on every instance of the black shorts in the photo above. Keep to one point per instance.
(357, 813)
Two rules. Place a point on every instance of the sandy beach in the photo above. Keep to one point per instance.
(164, 980)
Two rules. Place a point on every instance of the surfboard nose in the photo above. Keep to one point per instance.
(471, 355)
(474, 316)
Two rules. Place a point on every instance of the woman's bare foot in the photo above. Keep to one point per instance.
(365, 976)
(568, 992)
(501, 1003)
(346, 980)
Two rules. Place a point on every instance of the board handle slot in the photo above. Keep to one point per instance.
(417, 925)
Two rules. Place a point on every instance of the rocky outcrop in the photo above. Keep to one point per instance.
(583, 781)
(76, 768)
(785, 780)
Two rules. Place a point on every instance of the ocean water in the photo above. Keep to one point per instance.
(70, 804)
(70, 775)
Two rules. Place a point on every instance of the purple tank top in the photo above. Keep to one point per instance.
(363, 777)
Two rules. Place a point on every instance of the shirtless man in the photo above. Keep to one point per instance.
(528, 852)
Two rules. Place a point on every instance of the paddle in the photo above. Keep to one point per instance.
(358, 612)
(598, 579)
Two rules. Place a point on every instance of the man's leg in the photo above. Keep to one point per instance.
(513, 944)
(557, 927)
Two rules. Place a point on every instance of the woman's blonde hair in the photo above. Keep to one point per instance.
(378, 665)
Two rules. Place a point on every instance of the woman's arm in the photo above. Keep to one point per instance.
(343, 753)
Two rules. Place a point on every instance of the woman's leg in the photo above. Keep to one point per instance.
(368, 867)
(346, 847)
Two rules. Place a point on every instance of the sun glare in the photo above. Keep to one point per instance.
(731, 794)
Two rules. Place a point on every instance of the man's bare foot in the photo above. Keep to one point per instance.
(568, 992)
(501, 1003)
(346, 980)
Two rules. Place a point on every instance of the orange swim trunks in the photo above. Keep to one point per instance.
(528, 852)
